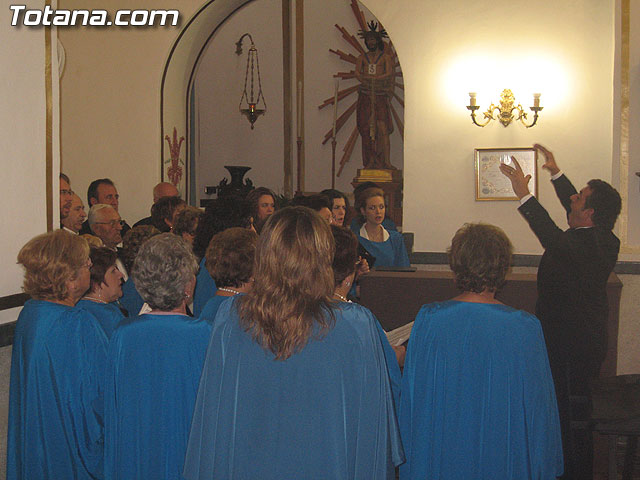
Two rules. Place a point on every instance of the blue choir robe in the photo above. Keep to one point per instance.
(55, 427)
(131, 299)
(390, 253)
(478, 400)
(107, 314)
(153, 369)
(210, 310)
(395, 376)
(205, 289)
(325, 412)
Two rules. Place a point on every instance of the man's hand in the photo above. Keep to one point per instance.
(550, 162)
(519, 181)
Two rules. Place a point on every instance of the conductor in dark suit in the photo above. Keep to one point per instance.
(572, 301)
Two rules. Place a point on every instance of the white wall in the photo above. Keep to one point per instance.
(110, 106)
(22, 123)
(110, 109)
(562, 49)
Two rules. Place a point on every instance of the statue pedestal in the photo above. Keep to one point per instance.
(390, 181)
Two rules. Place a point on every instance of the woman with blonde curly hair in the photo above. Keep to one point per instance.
(57, 364)
(293, 386)
(477, 395)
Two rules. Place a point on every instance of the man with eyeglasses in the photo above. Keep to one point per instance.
(73, 222)
(103, 191)
(66, 194)
(105, 223)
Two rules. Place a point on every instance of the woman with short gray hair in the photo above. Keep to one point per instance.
(162, 272)
(154, 366)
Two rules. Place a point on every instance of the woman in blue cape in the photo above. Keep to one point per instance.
(292, 386)
(230, 261)
(387, 246)
(57, 365)
(345, 263)
(478, 400)
(131, 300)
(227, 212)
(154, 364)
(106, 288)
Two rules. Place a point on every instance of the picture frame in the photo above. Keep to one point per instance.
(491, 184)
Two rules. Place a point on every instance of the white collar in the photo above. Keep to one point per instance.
(69, 230)
(364, 234)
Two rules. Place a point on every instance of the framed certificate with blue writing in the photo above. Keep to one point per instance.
(491, 184)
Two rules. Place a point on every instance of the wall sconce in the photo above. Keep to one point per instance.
(251, 108)
(505, 109)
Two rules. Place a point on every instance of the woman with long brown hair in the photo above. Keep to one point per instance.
(293, 387)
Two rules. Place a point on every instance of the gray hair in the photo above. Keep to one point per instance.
(162, 270)
(93, 212)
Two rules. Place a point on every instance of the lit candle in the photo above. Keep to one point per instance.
(536, 99)
(299, 122)
(335, 107)
(472, 99)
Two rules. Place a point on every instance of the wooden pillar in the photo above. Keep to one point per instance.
(300, 81)
(286, 95)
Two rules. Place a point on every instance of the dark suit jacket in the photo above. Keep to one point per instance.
(572, 277)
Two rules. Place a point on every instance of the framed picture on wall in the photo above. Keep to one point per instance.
(491, 184)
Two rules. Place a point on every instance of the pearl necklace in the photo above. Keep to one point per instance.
(344, 299)
(230, 290)
(94, 299)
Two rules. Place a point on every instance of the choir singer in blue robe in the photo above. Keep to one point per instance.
(230, 261)
(293, 387)
(58, 358)
(105, 290)
(477, 395)
(386, 245)
(154, 364)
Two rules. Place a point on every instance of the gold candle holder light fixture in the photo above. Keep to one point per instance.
(251, 108)
(505, 110)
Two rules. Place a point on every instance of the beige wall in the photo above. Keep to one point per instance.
(110, 106)
(22, 123)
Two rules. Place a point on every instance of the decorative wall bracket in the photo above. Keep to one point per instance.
(505, 110)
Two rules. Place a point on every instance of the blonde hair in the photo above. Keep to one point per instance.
(50, 260)
(293, 282)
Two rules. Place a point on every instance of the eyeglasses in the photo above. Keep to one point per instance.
(66, 192)
(113, 223)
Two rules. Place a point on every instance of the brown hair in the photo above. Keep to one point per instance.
(50, 260)
(133, 240)
(102, 259)
(187, 220)
(229, 258)
(480, 256)
(293, 282)
(361, 200)
(346, 256)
